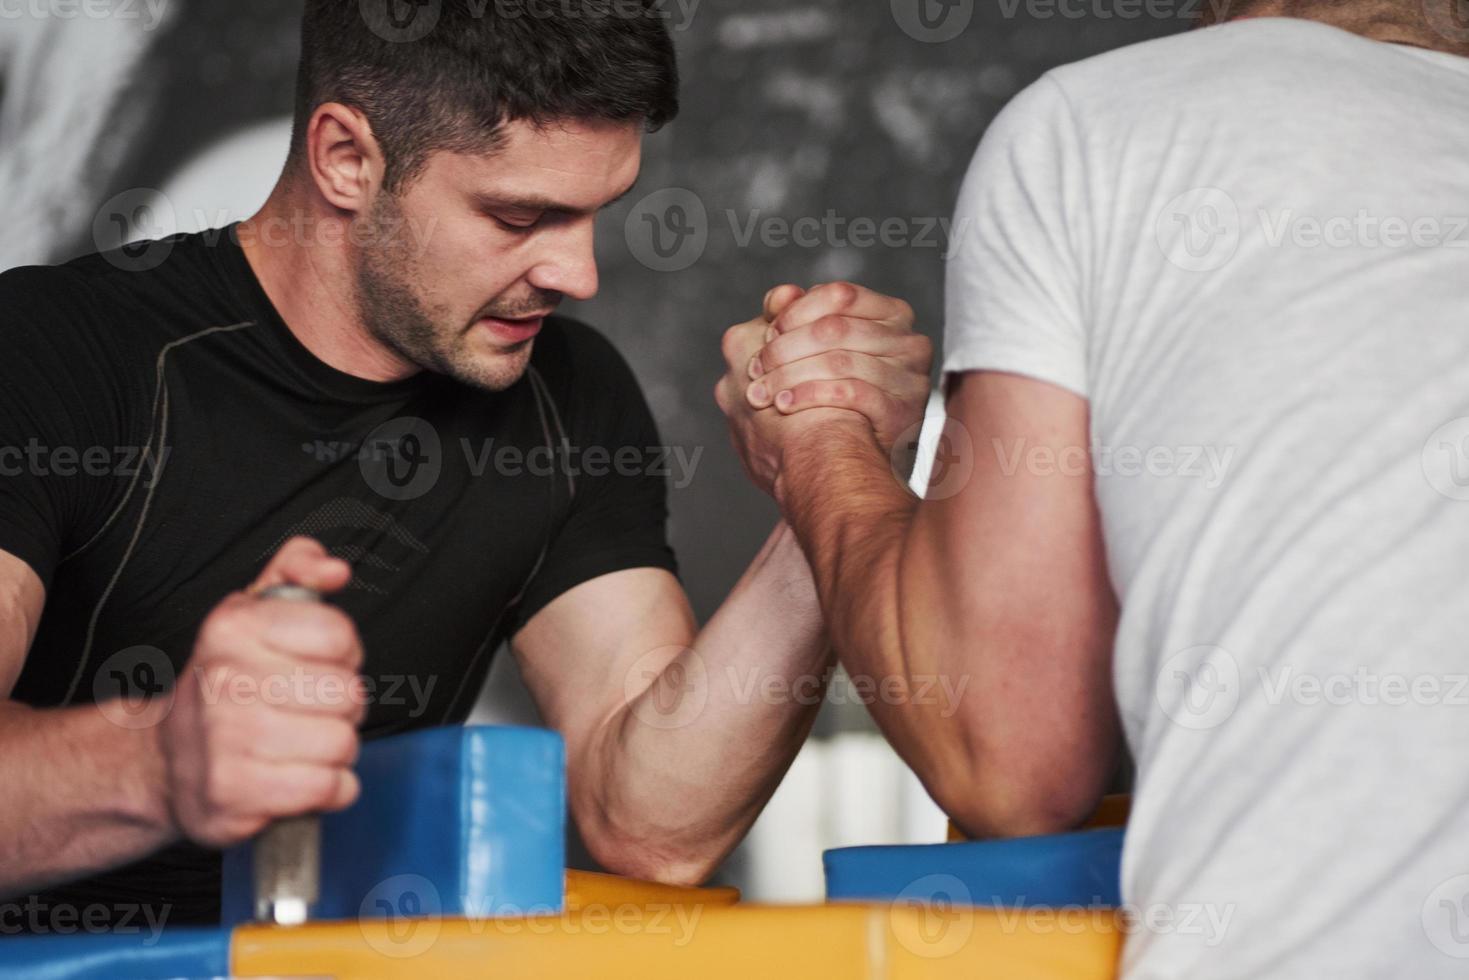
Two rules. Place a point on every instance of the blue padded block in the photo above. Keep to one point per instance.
(198, 954)
(455, 821)
(1082, 868)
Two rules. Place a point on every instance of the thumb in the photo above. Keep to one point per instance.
(779, 298)
(305, 562)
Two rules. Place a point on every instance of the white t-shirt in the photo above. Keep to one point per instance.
(1248, 248)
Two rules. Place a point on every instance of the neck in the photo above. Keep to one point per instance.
(1432, 24)
(299, 250)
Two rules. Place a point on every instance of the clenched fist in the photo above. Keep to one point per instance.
(265, 712)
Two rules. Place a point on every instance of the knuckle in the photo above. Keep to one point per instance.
(829, 329)
(842, 293)
(341, 744)
(218, 787)
(228, 625)
(842, 363)
(729, 343)
(840, 393)
(321, 786)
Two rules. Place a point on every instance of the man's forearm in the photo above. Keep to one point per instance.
(852, 517)
(696, 757)
(927, 615)
(84, 794)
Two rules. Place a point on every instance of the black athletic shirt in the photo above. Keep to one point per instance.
(162, 432)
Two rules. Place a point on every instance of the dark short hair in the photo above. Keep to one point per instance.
(450, 74)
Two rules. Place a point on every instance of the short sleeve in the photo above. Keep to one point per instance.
(1013, 298)
(619, 467)
(55, 411)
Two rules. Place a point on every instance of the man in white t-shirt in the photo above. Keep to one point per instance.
(1207, 468)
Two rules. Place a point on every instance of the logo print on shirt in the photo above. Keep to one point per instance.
(350, 514)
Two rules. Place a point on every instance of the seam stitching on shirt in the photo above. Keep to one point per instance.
(160, 424)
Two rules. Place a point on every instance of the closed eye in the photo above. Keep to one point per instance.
(517, 224)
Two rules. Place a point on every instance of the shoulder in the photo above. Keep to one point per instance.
(1206, 70)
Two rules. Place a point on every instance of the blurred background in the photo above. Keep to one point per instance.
(819, 140)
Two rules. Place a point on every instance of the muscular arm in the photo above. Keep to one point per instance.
(676, 737)
(1000, 587)
(83, 792)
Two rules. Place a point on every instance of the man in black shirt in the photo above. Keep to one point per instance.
(363, 390)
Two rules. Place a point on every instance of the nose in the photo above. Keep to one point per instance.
(569, 263)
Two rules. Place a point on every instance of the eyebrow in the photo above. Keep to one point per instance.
(536, 202)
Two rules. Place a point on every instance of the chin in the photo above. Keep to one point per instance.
(494, 370)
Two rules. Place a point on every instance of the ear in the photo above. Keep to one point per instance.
(343, 157)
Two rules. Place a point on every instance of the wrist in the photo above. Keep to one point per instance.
(154, 803)
(812, 447)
